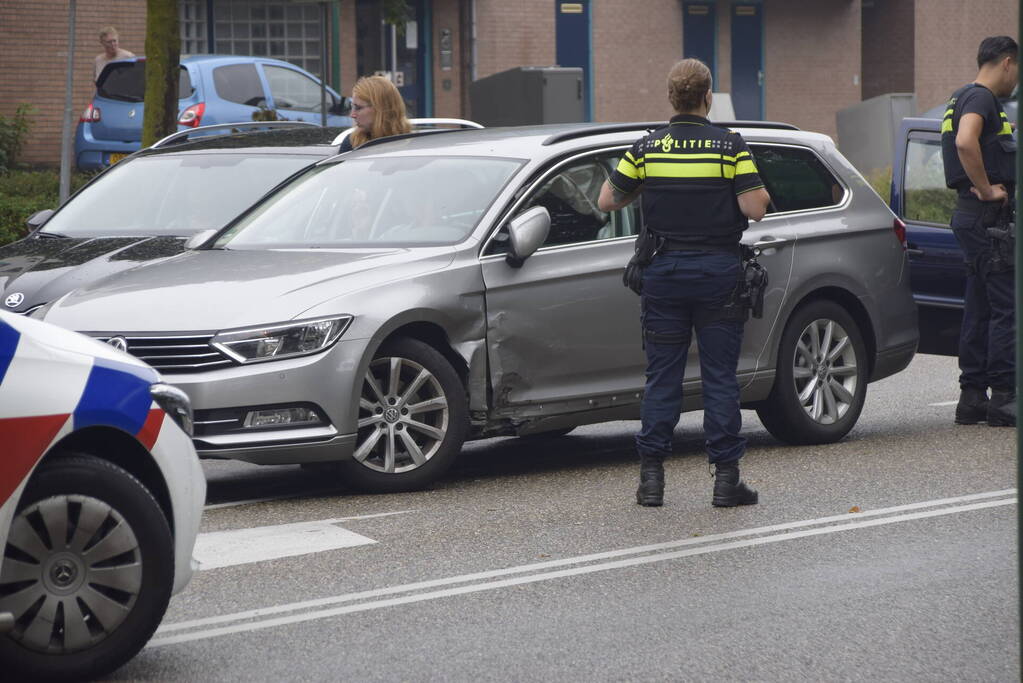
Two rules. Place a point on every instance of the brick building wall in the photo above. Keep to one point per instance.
(510, 34)
(724, 46)
(347, 39)
(634, 46)
(811, 61)
(948, 34)
(33, 52)
(447, 101)
(887, 46)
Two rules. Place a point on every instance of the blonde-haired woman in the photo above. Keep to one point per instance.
(378, 111)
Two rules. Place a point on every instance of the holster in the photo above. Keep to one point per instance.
(1002, 236)
(748, 297)
(647, 244)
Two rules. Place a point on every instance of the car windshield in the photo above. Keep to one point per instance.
(178, 194)
(393, 201)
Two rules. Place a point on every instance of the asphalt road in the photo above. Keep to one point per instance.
(891, 555)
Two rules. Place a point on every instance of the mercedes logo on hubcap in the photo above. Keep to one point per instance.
(63, 573)
(14, 300)
(119, 343)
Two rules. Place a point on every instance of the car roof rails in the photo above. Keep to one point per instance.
(423, 125)
(601, 129)
(183, 135)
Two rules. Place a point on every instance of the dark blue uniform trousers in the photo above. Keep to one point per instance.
(679, 289)
(987, 340)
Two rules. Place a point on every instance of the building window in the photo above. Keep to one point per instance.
(264, 28)
(192, 17)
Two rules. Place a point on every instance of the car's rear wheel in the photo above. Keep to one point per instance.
(87, 571)
(413, 419)
(821, 379)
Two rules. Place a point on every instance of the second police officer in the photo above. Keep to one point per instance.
(699, 186)
(979, 154)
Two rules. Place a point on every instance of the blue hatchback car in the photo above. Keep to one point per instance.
(212, 89)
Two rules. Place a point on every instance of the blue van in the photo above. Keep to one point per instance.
(920, 199)
(211, 89)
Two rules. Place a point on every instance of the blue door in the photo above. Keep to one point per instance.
(748, 60)
(572, 27)
(699, 33)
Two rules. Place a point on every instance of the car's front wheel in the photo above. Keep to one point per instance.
(413, 419)
(87, 571)
(821, 378)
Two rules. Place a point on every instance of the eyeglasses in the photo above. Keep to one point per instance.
(360, 107)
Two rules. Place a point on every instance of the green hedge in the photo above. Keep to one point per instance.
(22, 193)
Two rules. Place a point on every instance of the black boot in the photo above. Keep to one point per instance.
(729, 490)
(651, 481)
(972, 406)
(1001, 410)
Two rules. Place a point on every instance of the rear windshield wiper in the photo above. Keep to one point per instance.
(52, 235)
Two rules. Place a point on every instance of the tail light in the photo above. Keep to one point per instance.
(192, 116)
(90, 115)
(900, 231)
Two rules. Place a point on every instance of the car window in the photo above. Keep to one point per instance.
(239, 83)
(126, 81)
(570, 196)
(390, 201)
(925, 197)
(292, 90)
(172, 194)
(796, 179)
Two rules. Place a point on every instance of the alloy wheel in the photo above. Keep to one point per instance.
(403, 416)
(72, 571)
(825, 371)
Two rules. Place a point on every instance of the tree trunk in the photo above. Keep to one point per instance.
(163, 59)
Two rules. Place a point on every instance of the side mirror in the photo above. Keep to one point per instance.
(36, 220)
(342, 107)
(200, 238)
(526, 233)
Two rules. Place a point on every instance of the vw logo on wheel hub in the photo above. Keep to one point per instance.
(14, 300)
(119, 343)
(391, 415)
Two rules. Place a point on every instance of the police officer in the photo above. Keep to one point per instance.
(699, 185)
(979, 153)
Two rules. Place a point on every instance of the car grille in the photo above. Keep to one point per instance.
(174, 353)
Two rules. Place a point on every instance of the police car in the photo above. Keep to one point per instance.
(100, 498)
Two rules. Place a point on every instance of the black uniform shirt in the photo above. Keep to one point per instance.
(691, 172)
(997, 146)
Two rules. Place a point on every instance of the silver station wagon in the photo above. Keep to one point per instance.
(387, 304)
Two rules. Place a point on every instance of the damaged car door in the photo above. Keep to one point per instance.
(563, 334)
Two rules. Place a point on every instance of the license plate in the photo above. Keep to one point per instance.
(114, 158)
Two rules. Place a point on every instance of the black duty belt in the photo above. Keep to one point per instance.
(669, 244)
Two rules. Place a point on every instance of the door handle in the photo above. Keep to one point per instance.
(769, 241)
(912, 250)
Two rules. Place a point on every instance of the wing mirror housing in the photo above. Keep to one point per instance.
(200, 238)
(343, 107)
(36, 220)
(527, 233)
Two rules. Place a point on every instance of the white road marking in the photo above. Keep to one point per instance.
(710, 544)
(943, 404)
(242, 546)
(225, 548)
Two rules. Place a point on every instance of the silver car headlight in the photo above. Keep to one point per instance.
(287, 340)
(175, 403)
